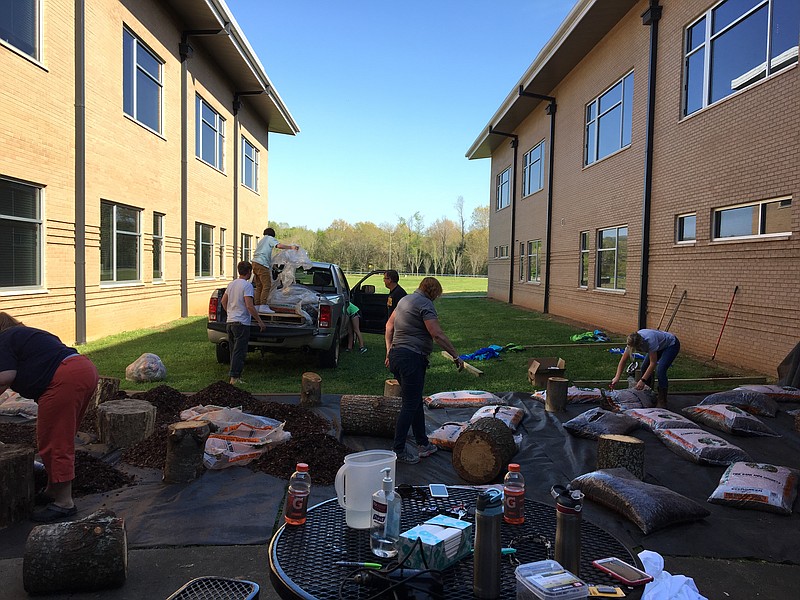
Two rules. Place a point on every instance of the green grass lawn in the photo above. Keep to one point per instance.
(471, 322)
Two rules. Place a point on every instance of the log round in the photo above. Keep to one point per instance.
(16, 483)
(369, 415)
(626, 451)
(122, 423)
(392, 389)
(483, 450)
(186, 442)
(107, 389)
(310, 390)
(85, 555)
(556, 398)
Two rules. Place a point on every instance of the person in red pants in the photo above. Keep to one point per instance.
(37, 365)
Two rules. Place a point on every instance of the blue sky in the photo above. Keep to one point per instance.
(388, 97)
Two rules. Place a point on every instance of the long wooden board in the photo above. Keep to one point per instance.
(474, 370)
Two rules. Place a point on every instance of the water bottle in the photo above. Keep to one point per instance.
(514, 496)
(297, 498)
(568, 528)
(486, 560)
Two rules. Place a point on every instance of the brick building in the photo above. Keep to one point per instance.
(654, 146)
(133, 170)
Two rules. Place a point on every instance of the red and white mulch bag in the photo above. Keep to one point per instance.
(447, 435)
(509, 415)
(461, 399)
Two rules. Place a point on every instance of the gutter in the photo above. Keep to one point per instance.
(80, 172)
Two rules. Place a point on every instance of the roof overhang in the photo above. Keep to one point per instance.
(236, 58)
(585, 25)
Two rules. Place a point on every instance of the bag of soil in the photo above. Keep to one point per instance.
(597, 421)
(575, 395)
(701, 447)
(753, 402)
(728, 418)
(757, 486)
(661, 418)
(462, 399)
(618, 400)
(777, 392)
(509, 415)
(446, 436)
(650, 507)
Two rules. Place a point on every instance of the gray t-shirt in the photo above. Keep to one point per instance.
(410, 315)
(656, 340)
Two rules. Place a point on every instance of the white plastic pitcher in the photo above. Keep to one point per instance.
(358, 478)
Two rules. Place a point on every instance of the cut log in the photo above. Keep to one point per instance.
(85, 555)
(483, 450)
(107, 389)
(556, 398)
(310, 390)
(615, 451)
(369, 415)
(186, 441)
(122, 423)
(16, 483)
(392, 388)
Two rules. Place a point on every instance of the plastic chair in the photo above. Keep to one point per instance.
(217, 588)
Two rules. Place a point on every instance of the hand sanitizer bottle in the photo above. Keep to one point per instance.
(385, 529)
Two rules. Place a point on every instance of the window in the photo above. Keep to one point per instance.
(141, 82)
(771, 217)
(20, 235)
(608, 120)
(496, 252)
(501, 251)
(203, 250)
(120, 243)
(584, 274)
(503, 189)
(612, 258)
(686, 226)
(209, 135)
(735, 44)
(158, 247)
(522, 261)
(20, 25)
(534, 266)
(533, 170)
(247, 246)
(249, 165)
(222, 236)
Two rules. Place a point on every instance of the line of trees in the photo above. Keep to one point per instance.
(459, 247)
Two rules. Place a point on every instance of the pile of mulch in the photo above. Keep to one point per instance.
(322, 453)
(94, 476)
(23, 434)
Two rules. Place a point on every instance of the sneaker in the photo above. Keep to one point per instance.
(238, 381)
(425, 451)
(363, 349)
(407, 457)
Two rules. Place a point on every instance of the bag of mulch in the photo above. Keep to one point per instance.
(618, 400)
(661, 418)
(148, 367)
(447, 435)
(777, 392)
(758, 486)
(597, 421)
(650, 507)
(753, 402)
(14, 405)
(462, 399)
(220, 454)
(575, 395)
(728, 418)
(701, 447)
(509, 415)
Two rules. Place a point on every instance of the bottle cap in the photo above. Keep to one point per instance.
(302, 467)
(489, 499)
(513, 467)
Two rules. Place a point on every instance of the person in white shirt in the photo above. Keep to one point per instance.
(262, 264)
(238, 304)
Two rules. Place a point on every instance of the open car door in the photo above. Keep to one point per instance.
(370, 296)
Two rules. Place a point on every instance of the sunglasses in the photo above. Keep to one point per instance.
(407, 491)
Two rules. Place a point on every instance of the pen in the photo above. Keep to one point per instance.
(366, 565)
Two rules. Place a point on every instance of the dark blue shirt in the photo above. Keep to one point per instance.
(35, 355)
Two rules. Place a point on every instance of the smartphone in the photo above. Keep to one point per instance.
(622, 571)
(438, 490)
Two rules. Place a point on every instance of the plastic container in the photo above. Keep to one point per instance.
(357, 479)
(385, 531)
(297, 498)
(514, 496)
(548, 580)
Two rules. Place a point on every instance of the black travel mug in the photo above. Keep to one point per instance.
(568, 528)
(486, 560)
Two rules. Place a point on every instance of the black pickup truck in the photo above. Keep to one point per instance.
(312, 316)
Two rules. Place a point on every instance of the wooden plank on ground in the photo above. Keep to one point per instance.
(474, 370)
(577, 345)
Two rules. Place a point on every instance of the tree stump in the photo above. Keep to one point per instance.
(122, 423)
(16, 483)
(85, 555)
(483, 450)
(392, 388)
(369, 415)
(107, 389)
(556, 398)
(310, 390)
(186, 442)
(621, 451)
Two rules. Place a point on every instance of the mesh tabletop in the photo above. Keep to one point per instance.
(302, 557)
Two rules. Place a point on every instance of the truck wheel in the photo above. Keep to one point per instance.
(329, 359)
(223, 353)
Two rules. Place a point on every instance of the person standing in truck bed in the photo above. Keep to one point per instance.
(390, 280)
(262, 264)
(238, 304)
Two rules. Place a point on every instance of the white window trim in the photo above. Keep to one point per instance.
(255, 163)
(140, 255)
(598, 262)
(498, 188)
(220, 134)
(37, 60)
(526, 169)
(198, 245)
(596, 120)
(40, 287)
(537, 279)
(756, 236)
(222, 254)
(137, 43)
(678, 218)
(588, 252)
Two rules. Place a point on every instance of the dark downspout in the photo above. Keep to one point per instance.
(650, 17)
(80, 172)
(514, 144)
(186, 53)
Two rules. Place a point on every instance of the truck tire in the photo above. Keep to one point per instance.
(223, 353)
(329, 359)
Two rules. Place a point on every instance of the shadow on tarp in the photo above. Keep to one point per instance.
(239, 506)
